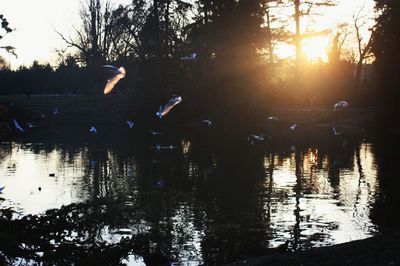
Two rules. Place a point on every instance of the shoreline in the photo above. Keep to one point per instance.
(377, 250)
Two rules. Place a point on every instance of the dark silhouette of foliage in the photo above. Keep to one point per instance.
(385, 48)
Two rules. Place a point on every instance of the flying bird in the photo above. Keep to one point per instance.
(130, 123)
(55, 111)
(116, 75)
(1, 189)
(93, 130)
(207, 122)
(293, 127)
(168, 106)
(17, 126)
(273, 118)
(30, 125)
(158, 147)
(255, 138)
(190, 57)
(336, 133)
(155, 132)
(340, 105)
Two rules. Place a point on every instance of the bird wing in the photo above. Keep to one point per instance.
(18, 126)
(113, 81)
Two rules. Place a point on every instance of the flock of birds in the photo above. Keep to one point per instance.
(116, 74)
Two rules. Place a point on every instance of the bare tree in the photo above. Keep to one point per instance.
(304, 8)
(107, 33)
(340, 35)
(361, 22)
(275, 25)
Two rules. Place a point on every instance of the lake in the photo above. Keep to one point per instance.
(202, 201)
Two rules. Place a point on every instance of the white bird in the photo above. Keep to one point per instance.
(116, 75)
(30, 125)
(340, 105)
(253, 138)
(336, 132)
(155, 132)
(168, 106)
(190, 57)
(273, 118)
(158, 147)
(17, 126)
(130, 123)
(55, 111)
(207, 122)
(93, 130)
(293, 127)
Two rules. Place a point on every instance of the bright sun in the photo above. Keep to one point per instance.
(316, 48)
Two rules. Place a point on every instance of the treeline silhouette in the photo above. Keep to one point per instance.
(232, 69)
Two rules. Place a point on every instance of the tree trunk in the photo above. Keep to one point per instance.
(297, 39)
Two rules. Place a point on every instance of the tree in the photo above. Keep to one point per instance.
(360, 22)
(4, 26)
(275, 25)
(302, 9)
(5, 30)
(107, 33)
(385, 46)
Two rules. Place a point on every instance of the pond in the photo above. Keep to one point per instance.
(208, 203)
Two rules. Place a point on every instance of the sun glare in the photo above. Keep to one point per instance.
(315, 49)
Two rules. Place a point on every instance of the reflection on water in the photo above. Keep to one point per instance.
(206, 205)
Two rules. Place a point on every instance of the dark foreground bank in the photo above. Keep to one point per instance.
(379, 250)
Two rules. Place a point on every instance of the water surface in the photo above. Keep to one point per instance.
(209, 204)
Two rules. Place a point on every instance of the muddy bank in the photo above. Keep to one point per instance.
(379, 250)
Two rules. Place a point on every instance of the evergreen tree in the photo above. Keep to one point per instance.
(385, 46)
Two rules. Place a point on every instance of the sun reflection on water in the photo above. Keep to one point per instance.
(197, 204)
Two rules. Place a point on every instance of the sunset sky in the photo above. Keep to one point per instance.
(35, 38)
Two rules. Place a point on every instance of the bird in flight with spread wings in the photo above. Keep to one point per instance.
(116, 75)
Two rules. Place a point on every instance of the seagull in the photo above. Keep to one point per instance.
(340, 105)
(253, 138)
(293, 127)
(93, 130)
(116, 75)
(273, 118)
(55, 112)
(30, 125)
(336, 132)
(130, 123)
(168, 106)
(190, 57)
(157, 147)
(155, 132)
(207, 122)
(18, 126)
